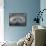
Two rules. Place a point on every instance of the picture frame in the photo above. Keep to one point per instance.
(17, 19)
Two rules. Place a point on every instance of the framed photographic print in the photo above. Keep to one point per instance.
(17, 19)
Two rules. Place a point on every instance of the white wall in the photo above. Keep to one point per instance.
(1, 21)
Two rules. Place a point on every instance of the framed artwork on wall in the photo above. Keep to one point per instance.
(17, 19)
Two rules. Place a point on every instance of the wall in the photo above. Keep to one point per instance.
(43, 6)
(18, 6)
(1, 21)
